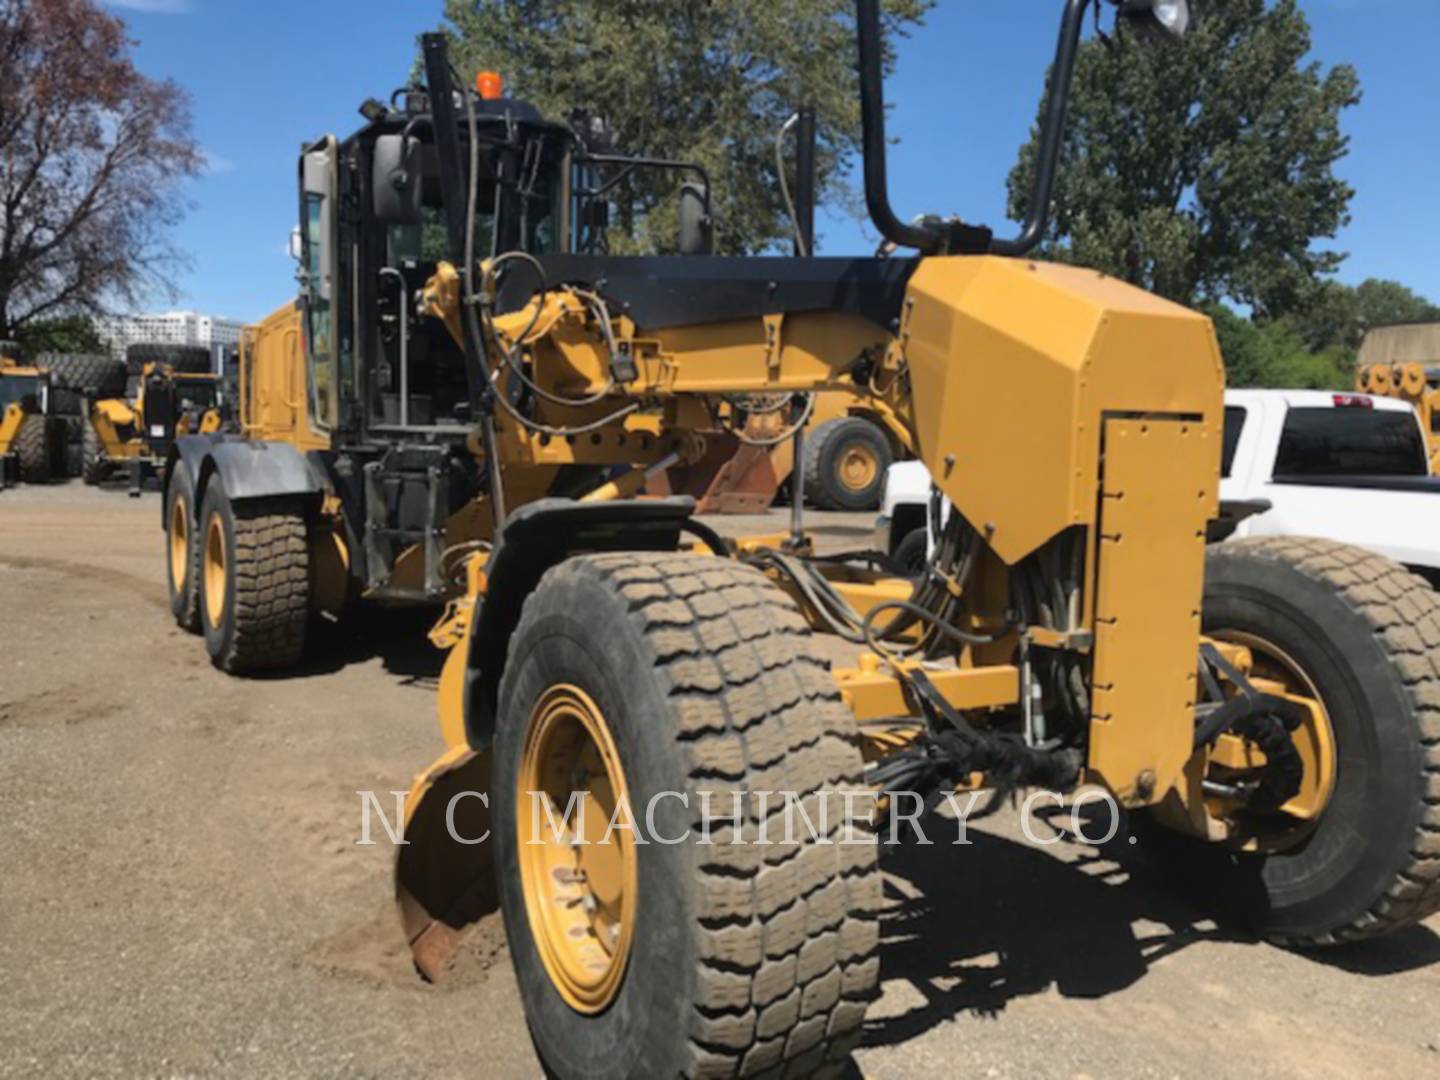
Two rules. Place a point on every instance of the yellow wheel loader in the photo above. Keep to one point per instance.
(649, 767)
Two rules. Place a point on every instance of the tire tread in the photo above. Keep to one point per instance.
(1403, 612)
(786, 935)
(272, 574)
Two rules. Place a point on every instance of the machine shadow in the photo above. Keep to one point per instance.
(968, 949)
(397, 637)
(973, 950)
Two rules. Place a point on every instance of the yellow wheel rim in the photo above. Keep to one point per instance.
(215, 571)
(179, 544)
(1275, 672)
(858, 467)
(579, 884)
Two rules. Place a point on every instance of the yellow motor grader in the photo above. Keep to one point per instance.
(636, 711)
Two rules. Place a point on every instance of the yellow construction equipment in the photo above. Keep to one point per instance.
(31, 438)
(1413, 382)
(847, 451)
(649, 767)
(175, 393)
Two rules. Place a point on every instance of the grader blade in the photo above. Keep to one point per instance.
(444, 876)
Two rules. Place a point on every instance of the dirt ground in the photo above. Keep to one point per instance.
(182, 894)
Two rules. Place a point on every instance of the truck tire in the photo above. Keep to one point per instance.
(35, 449)
(182, 552)
(845, 464)
(184, 359)
(913, 552)
(254, 582)
(92, 376)
(96, 465)
(1365, 633)
(693, 676)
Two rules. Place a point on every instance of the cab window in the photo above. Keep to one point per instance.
(1351, 441)
(1234, 428)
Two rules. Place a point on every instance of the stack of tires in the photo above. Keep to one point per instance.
(181, 359)
(76, 379)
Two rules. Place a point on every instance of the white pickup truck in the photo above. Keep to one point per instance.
(1345, 467)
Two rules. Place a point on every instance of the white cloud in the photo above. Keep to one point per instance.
(153, 7)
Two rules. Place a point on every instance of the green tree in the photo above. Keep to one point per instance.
(1340, 316)
(1382, 303)
(693, 80)
(1204, 170)
(93, 156)
(73, 334)
(1274, 354)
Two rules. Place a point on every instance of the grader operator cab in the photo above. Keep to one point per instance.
(1267, 712)
(358, 406)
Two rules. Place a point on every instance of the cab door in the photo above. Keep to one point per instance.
(319, 279)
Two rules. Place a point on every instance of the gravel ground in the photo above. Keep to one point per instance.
(181, 892)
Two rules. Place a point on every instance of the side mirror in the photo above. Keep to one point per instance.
(297, 245)
(697, 227)
(396, 182)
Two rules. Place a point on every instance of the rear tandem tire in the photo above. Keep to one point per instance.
(746, 959)
(254, 582)
(1366, 632)
(182, 549)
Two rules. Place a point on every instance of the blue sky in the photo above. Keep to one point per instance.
(266, 75)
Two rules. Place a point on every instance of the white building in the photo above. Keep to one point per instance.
(119, 332)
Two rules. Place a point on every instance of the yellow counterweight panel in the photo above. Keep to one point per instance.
(1012, 366)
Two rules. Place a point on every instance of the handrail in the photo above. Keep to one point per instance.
(935, 236)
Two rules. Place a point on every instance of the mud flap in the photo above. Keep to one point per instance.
(444, 878)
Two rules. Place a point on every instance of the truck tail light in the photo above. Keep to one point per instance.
(1353, 401)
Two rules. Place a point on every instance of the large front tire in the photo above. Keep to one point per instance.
(254, 582)
(739, 958)
(1366, 634)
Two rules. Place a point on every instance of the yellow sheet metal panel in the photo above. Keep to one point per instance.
(1160, 484)
(274, 391)
(1014, 363)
